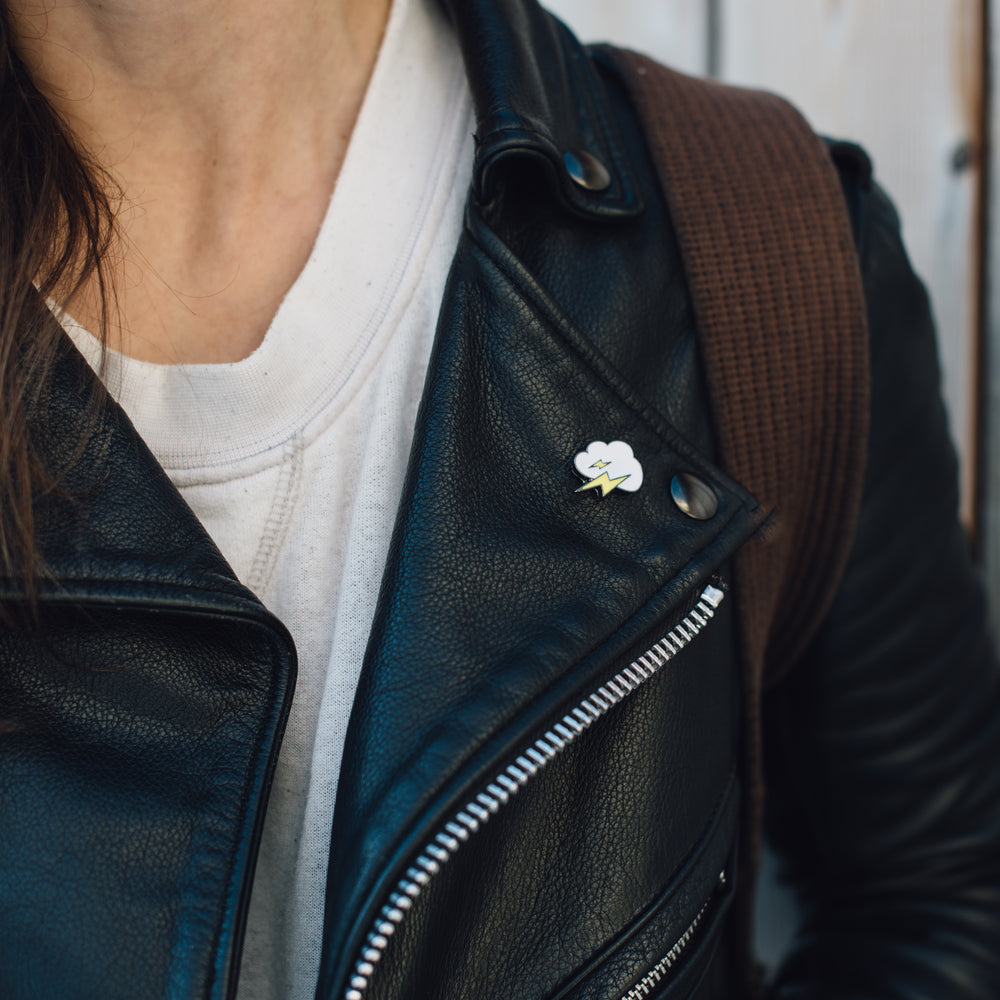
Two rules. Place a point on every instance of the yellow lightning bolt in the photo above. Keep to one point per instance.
(600, 464)
(602, 482)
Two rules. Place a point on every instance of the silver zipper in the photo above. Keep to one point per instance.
(652, 979)
(514, 777)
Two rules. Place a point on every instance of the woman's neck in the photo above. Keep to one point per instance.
(225, 123)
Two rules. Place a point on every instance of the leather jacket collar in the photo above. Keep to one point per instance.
(536, 94)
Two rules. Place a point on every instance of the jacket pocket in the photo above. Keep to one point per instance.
(667, 949)
(681, 969)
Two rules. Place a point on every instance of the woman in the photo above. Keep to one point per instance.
(269, 345)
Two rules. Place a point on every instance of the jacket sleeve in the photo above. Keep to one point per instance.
(883, 745)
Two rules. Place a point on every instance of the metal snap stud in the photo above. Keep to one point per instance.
(586, 170)
(694, 496)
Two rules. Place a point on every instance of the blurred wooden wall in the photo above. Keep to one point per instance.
(904, 78)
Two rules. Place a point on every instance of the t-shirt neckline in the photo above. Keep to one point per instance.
(340, 311)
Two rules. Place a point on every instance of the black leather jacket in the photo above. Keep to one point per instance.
(539, 795)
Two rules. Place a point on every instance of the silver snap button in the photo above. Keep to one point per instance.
(586, 170)
(694, 496)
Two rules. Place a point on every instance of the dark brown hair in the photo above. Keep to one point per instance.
(56, 227)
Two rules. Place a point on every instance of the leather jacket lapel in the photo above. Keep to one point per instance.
(506, 592)
(86, 525)
(140, 719)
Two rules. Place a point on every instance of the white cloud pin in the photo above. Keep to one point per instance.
(608, 465)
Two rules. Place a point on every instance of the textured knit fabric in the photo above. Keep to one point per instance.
(777, 294)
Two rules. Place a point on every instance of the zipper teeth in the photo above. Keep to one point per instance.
(652, 978)
(514, 777)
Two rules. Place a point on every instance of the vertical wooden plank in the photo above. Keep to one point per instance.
(675, 32)
(903, 77)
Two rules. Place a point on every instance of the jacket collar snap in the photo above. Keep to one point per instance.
(538, 96)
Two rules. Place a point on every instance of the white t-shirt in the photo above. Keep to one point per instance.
(294, 457)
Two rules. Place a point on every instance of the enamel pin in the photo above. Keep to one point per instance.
(608, 466)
